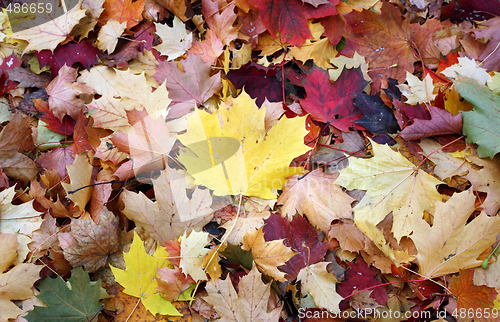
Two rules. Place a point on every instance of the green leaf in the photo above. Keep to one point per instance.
(481, 124)
(77, 303)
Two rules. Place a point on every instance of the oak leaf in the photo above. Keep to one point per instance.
(139, 278)
(451, 243)
(317, 197)
(249, 304)
(175, 41)
(261, 160)
(268, 255)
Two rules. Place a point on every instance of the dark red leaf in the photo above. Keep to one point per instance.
(460, 10)
(360, 277)
(11, 62)
(301, 237)
(442, 122)
(287, 19)
(333, 103)
(258, 83)
(82, 52)
(80, 137)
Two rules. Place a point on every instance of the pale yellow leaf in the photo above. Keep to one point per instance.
(316, 281)
(175, 41)
(52, 33)
(417, 91)
(193, 252)
(109, 34)
(80, 173)
(451, 243)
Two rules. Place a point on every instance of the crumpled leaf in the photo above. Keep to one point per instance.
(249, 304)
(94, 242)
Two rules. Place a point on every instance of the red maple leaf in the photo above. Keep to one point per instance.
(301, 237)
(386, 41)
(259, 83)
(287, 19)
(83, 52)
(333, 103)
(360, 277)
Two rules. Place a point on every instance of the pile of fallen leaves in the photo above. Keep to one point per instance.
(266, 160)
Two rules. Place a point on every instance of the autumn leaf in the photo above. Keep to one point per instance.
(94, 242)
(470, 296)
(268, 255)
(173, 282)
(189, 86)
(79, 173)
(317, 197)
(76, 300)
(173, 213)
(123, 11)
(333, 103)
(249, 304)
(479, 125)
(109, 34)
(16, 283)
(393, 184)
(259, 165)
(139, 278)
(451, 243)
(287, 20)
(321, 285)
(442, 122)
(51, 33)
(175, 41)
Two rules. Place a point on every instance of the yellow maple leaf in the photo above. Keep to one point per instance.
(452, 244)
(109, 34)
(139, 278)
(233, 144)
(193, 253)
(320, 50)
(268, 255)
(392, 183)
(316, 281)
(52, 33)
